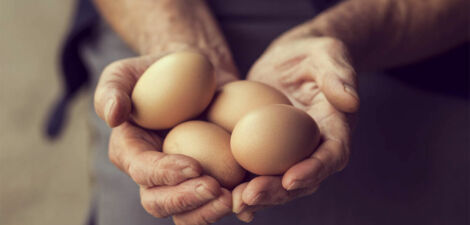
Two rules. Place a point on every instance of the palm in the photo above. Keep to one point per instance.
(301, 87)
(311, 74)
(166, 185)
(316, 76)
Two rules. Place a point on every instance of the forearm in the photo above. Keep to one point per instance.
(150, 26)
(385, 33)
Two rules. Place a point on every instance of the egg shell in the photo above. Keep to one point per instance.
(235, 99)
(175, 88)
(210, 145)
(270, 139)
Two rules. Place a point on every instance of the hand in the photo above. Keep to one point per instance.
(317, 76)
(170, 185)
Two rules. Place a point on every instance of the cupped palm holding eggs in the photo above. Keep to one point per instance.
(269, 135)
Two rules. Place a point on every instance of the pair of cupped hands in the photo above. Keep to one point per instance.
(314, 73)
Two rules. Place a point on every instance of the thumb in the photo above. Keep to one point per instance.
(340, 93)
(112, 98)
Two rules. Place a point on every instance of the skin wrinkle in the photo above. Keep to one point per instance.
(311, 88)
(281, 199)
(180, 202)
(119, 71)
(165, 173)
(125, 162)
(337, 158)
(369, 33)
(290, 62)
(387, 33)
(150, 203)
(300, 193)
(215, 207)
(117, 159)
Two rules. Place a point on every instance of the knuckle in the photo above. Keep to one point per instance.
(163, 177)
(163, 162)
(159, 174)
(115, 72)
(137, 174)
(218, 209)
(180, 202)
(163, 172)
(200, 218)
(113, 67)
(173, 161)
(323, 168)
(152, 207)
(335, 157)
(210, 183)
(146, 172)
(169, 168)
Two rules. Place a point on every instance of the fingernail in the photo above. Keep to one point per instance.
(257, 198)
(299, 184)
(189, 172)
(203, 193)
(107, 109)
(246, 217)
(349, 89)
(238, 206)
(294, 185)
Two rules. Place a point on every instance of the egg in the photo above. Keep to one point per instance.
(210, 145)
(270, 139)
(175, 88)
(235, 99)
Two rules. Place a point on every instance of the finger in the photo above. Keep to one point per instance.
(248, 213)
(329, 158)
(246, 216)
(237, 200)
(208, 213)
(338, 77)
(164, 201)
(112, 96)
(339, 92)
(265, 190)
(138, 153)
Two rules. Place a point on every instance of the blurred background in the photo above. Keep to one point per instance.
(41, 182)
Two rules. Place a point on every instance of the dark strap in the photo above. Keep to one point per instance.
(75, 74)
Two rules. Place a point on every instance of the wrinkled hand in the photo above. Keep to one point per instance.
(170, 185)
(317, 76)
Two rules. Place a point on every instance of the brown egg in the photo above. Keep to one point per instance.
(235, 99)
(270, 139)
(210, 145)
(175, 88)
